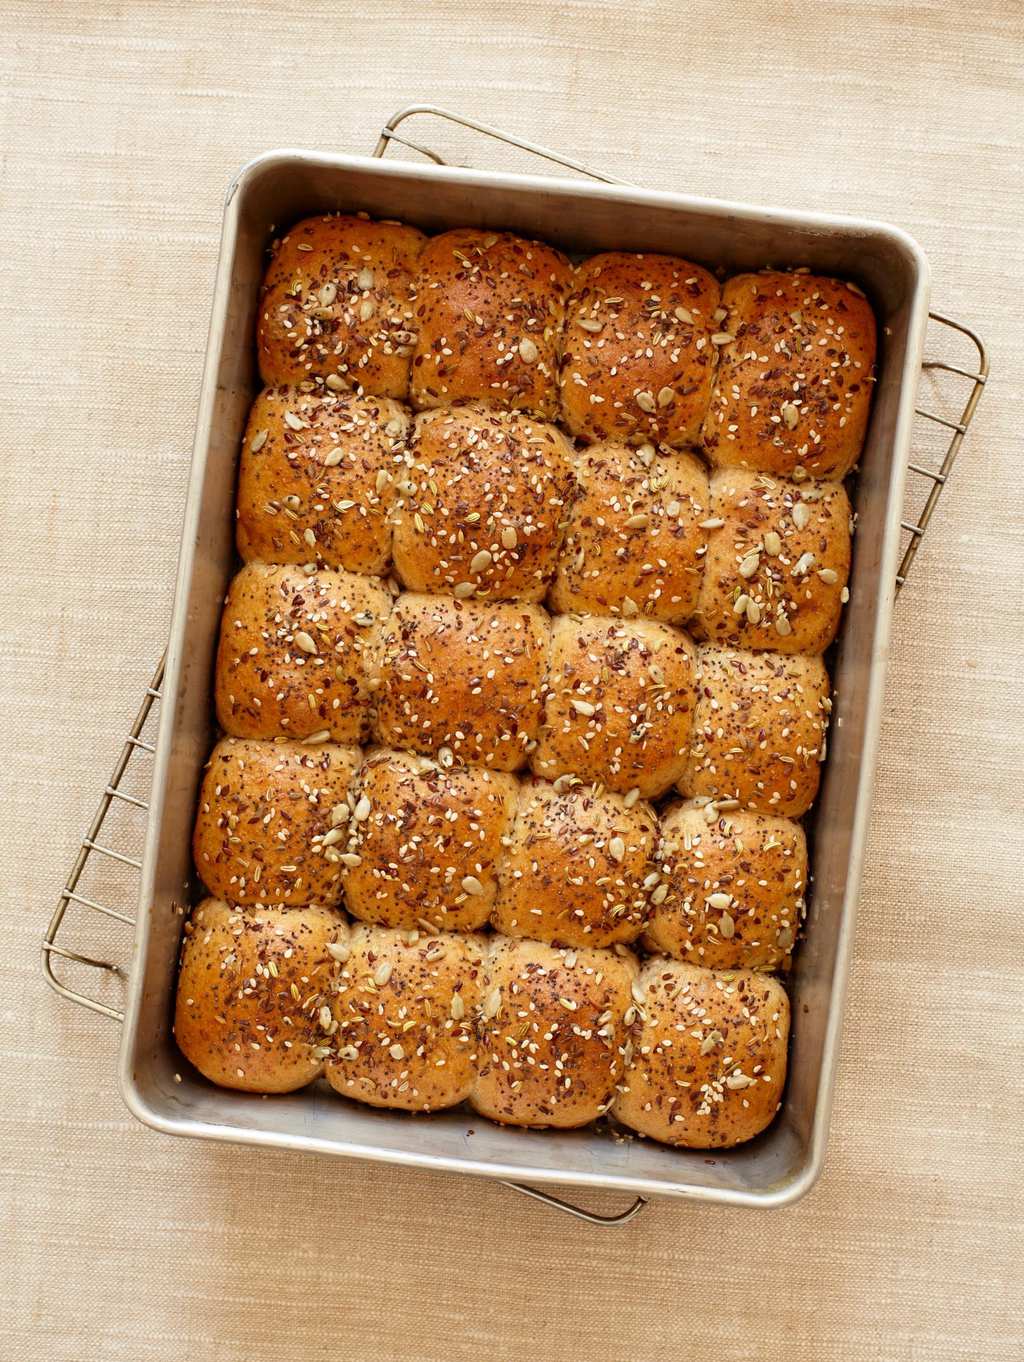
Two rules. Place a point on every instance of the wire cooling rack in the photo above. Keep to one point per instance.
(99, 840)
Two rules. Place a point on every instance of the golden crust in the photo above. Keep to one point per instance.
(553, 1033)
(250, 988)
(733, 889)
(466, 676)
(263, 830)
(793, 389)
(635, 543)
(709, 1066)
(488, 314)
(576, 866)
(483, 508)
(317, 478)
(758, 730)
(428, 839)
(404, 1005)
(777, 565)
(291, 656)
(337, 305)
(637, 356)
(619, 706)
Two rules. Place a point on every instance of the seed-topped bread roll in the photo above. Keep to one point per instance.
(758, 731)
(291, 655)
(336, 307)
(733, 889)
(489, 312)
(794, 383)
(553, 1032)
(619, 705)
(639, 352)
(577, 865)
(252, 993)
(777, 562)
(482, 510)
(636, 538)
(709, 1066)
(404, 1007)
(317, 479)
(270, 822)
(462, 678)
(425, 839)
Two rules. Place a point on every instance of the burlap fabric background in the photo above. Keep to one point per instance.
(120, 127)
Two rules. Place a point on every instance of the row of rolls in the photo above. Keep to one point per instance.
(770, 370)
(535, 705)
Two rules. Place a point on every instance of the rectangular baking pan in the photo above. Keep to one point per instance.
(580, 217)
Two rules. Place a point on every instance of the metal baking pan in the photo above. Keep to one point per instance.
(580, 216)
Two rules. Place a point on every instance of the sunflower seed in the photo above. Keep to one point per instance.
(636, 989)
(645, 401)
(753, 612)
(782, 625)
(463, 589)
(790, 413)
(528, 351)
(722, 338)
(683, 314)
(738, 1080)
(637, 522)
(361, 812)
(335, 382)
(801, 515)
(396, 1051)
(803, 564)
(331, 836)
(509, 538)
(366, 309)
(666, 397)
(714, 523)
(457, 1007)
(382, 973)
(480, 562)
(492, 1004)
(631, 797)
(660, 894)
(328, 294)
(749, 565)
(364, 279)
(719, 900)
(351, 859)
(583, 707)
(829, 576)
(305, 641)
(616, 848)
(339, 950)
(772, 544)
(740, 604)
(727, 926)
(471, 885)
(258, 441)
(590, 324)
(295, 422)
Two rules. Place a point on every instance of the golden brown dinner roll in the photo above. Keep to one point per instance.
(636, 539)
(270, 822)
(488, 315)
(317, 479)
(554, 1026)
(404, 1007)
(461, 677)
(619, 705)
(638, 352)
(336, 306)
(733, 889)
(794, 379)
(758, 731)
(252, 993)
(710, 1064)
(424, 842)
(291, 656)
(483, 508)
(777, 561)
(577, 865)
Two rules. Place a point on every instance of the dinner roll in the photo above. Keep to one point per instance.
(317, 478)
(636, 538)
(250, 991)
(336, 305)
(461, 677)
(794, 382)
(553, 1032)
(619, 705)
(777, 562)
(758, 731)
(638, 356)
(404, 1006)
(424, 842)
(483, 508)
(489, 312)
(291, 655)
(267, 826)
(576, 867)
(709, 1067)
(733, 889)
